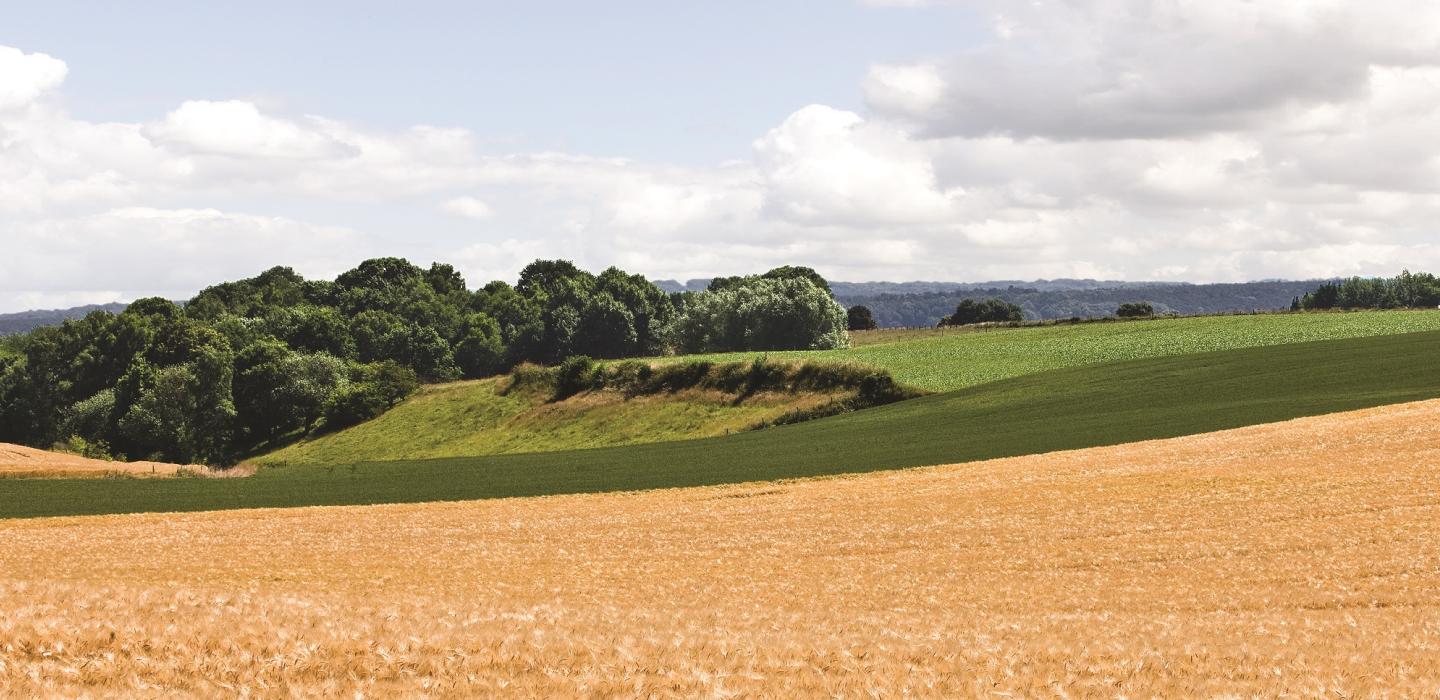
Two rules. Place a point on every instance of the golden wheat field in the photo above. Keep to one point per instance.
(19, 461)
(1294, 559)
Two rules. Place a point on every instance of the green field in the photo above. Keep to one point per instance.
(949, 359)
(481, 418)
(1063, 409)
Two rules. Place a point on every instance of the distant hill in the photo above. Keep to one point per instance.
(858, 289)
(1054, 299)
(914, 304)
(25, 321)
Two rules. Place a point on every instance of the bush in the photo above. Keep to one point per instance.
(969, 311)
(858, 318)
(1139, 309)
(576, 374)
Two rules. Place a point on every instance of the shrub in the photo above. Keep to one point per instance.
(969, 311)
(576, 374)
(1138, 309)
(858, 318)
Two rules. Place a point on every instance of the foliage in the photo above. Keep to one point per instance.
(858, 318)
(1407, 291)
(970, 311)
(1048, 411)
(251, 362)
(1135, 309)
(620, 405)
(925, 306)
(761, 313)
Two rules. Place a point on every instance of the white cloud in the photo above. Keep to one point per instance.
(135, 251)
(1168, 139)
(468, 207)
(236, 128)
(827, 166)
(1156, 68)
(26, 76)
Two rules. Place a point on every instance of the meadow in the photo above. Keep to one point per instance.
(946, 359)
(1083, 406)
(1281, 560)
(482, 417)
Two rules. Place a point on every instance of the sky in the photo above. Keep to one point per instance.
(160, 147)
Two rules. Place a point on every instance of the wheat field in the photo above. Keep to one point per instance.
(1293, 559)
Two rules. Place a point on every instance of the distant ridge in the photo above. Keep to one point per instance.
(911, 304)
(25, 321)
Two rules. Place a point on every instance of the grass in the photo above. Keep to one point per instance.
(956, 358)
(481, 418)
(1063, 409)
(1282, 560)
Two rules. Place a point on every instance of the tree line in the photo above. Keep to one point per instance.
(1404, 291)
(247, 363)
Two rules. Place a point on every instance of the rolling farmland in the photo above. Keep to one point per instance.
(481, 418)
(1064, 409)
(946, 359)
(1285, 559)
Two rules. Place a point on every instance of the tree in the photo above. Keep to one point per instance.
(373, 389)
(858, 318)
(1138, 309)
(969, 311)
(786, 272)
(762, 314)
(606, 329)
(480, 352)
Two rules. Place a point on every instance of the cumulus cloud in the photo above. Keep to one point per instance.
(237, 128)
(128, 252)
(468, 207)
(24, 77)
(1070, 69)
(828, 166)
(1163, 139)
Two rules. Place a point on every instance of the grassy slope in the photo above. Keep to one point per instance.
(1064, 409)
(949, 359)
(475, 418)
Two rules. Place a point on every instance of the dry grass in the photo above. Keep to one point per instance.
(1292, 559)
(18, 461)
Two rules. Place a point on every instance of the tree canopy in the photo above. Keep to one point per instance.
(248, 363)
(969, 311)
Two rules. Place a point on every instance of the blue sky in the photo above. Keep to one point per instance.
(160, 147)
(686, 82)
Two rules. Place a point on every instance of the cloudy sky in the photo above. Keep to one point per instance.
(158, 147)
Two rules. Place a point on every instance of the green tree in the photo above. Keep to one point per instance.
(1138, 309)
(858, 318)
(480, 352)
(970, 311)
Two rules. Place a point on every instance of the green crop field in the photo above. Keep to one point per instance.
(479, 418)
(1063, 409)
(949, 359)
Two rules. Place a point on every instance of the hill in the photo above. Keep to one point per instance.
(480, 418)
(1259, 562)
(26, 321)
(19, 461)
(1072, 408)
(486, 417)
(945, 359)
(924, 309)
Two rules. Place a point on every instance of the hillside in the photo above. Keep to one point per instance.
(945, 359)
(483, 418)
(19, 461)
(1063, 409)
(925, 308)
(1290, 559)
(25, 321)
